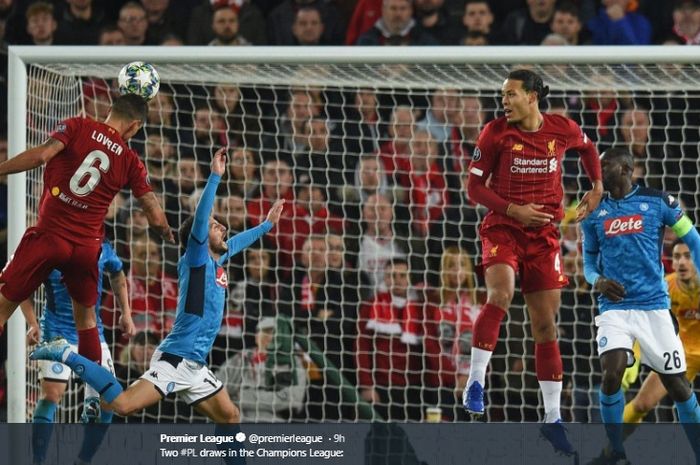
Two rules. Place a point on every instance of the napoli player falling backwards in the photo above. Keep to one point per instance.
(87, 164)
(179, 363)
(520, 155)
(622, 260)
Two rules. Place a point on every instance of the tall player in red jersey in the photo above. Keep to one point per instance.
(516, 173)
(87, 164)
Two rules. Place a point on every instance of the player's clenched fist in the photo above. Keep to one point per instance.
(218, 162)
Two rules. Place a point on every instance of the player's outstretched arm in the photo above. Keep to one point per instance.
(156, 216)
(118, 283)
(243, 239)
(30, 159)
(197, 248)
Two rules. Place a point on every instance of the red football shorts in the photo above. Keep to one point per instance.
(40, 252)
(533, 253)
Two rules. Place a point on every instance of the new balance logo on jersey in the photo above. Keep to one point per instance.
(622, 226)
(517, 147)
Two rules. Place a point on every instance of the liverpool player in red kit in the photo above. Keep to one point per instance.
(87, 164)
(516, 173)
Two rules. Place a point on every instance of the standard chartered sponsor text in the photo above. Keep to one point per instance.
(533, 165)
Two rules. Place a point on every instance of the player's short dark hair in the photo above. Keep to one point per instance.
(186, 228)
(130, 107)
(619, 153)
(532, 82)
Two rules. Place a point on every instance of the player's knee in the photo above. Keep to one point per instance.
(52, 392)
(52, 396)
(612, 379)
(500, 297)
(677, 387)
(642, 404)
(85, 320)
(544, 330)
(232, 415)
(123, 409)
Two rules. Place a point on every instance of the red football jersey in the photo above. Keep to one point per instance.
(525, 167)
(81, 181)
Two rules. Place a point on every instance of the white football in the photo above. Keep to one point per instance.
(139, 78)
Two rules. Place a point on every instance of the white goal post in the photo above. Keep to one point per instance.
(487, 67)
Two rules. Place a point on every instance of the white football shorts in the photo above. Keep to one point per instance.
(60, 373)
(193, 381)
(661, 348)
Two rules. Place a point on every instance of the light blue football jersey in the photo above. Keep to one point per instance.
(627, 236)
(202, 283)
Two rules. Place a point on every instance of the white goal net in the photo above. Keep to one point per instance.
(371, 158)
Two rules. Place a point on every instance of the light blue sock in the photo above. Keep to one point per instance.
(42, 428)
(689, 415)
(94, 435)
(689, 411)
(230, 429)
(96, 376)
(611, 410)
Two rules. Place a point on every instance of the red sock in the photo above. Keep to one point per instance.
(548, 361)
(89, 344)
(487, 326)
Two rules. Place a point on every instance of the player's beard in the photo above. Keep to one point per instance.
(220, 248)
